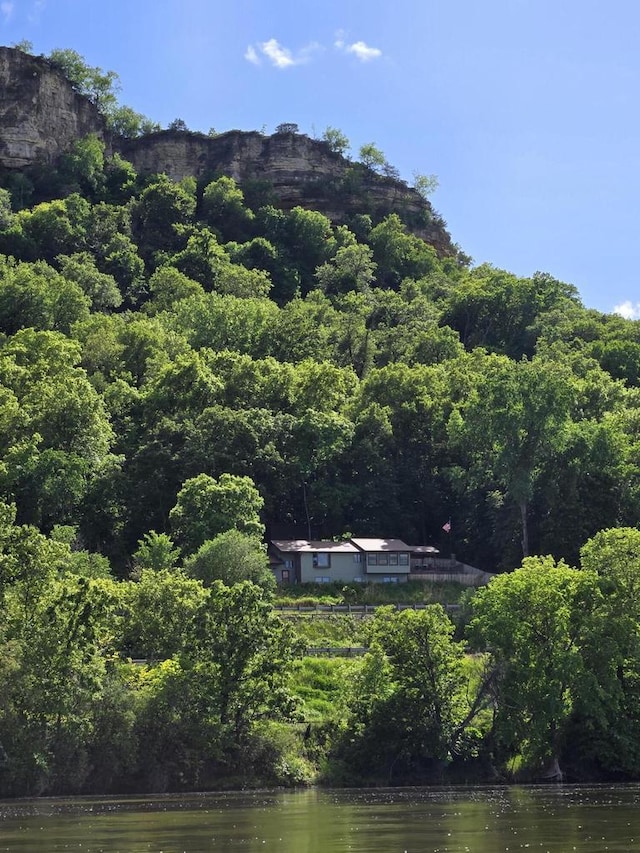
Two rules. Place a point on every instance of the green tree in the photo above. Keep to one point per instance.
(244, 651)
(336, 140)
(421, 705)
(607, 725)
(231, 557)
(538, 623)
(82, 167)
(426, 185)
(159, 610)
(126, 122)
(50, 701)
(206, 507)
(156, 551)
(352, 268)
(56, 227)
(101, 288)
(97, 85)
(36, 296)
(510, 426)
(6, 212)
(167, 286)
(223, 208)
(371, 156)
(162, 206)
(398, 254)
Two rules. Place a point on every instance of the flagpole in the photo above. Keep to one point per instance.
(447, 529)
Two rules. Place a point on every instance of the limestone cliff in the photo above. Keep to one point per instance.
(41, 116)
(40, 113)
(299, 170)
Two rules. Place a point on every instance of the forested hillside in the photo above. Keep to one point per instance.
(157, 331)
(184, 366)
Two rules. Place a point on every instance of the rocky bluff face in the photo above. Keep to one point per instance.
(298, 170)
(41, 116)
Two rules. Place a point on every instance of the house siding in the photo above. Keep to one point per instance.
(343, 568)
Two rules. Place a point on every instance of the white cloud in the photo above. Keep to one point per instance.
(628, 310)
(279, 56)
(363, 51)
(251, 55)
(6, 9)
(360, 49)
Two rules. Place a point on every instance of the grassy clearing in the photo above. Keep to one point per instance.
(415, 592)
(331, 630)
(319, 685)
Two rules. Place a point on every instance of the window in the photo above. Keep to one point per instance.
(393, 559)
(357, 558)
(372, 559)
(390, 579)
(286, 577)
(322, 580)
(288, 563)
(321, 560)
(383, 559)
(403, 559)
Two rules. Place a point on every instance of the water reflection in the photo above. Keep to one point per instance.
(458, 820)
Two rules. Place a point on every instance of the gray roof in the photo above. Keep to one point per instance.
(307, 546)
(380, 544)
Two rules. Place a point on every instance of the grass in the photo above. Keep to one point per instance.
(414, 592)
(319, 684)
(330, 630)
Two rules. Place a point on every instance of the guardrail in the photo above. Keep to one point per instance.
(336, 651)
(352, 608)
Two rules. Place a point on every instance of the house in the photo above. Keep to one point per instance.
(305, 561)
(365, 560)
(352, 561)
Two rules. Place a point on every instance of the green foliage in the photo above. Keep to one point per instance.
(82, 168)
(126, 122)
(287, 127)
(319, 685)
(198, 366)
(328, 630)
(413, 702)
(537, 623)
(161, 206)
(231, 557)
(336, 140)
(371, 156)
(206, 507)
(101, 288)
(157, 552)
(158, 610)
(97, 85)
(352, 269)
(426, 185)
(223, 208)
(398, 254)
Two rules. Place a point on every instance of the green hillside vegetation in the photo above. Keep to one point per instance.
(182, 373)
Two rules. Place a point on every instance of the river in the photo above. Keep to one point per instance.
(586, 819)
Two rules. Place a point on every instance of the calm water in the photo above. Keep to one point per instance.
(459, 820)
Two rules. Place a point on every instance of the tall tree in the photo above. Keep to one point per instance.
(508, 427)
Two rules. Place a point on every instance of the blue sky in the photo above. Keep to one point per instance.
(526, 110)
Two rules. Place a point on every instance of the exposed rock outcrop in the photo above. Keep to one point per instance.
(41, 116)
(299, 170)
